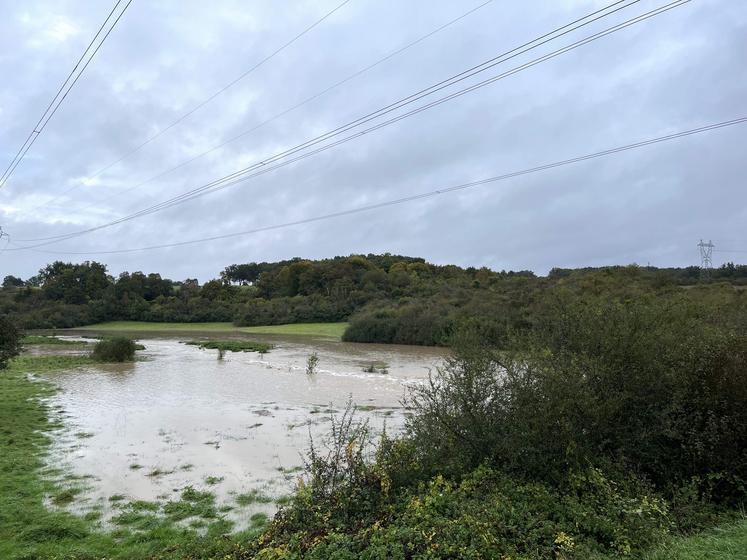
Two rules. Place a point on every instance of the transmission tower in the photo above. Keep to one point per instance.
(706, 258)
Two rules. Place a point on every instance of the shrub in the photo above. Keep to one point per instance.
(311, 362)
(10, 341)
(115, 349)
(641, 384)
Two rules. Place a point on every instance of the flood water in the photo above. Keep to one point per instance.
(181, 417)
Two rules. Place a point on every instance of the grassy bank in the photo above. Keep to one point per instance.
(328, 330)
(724, 542)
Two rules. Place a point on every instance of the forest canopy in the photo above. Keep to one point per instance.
(386, 298)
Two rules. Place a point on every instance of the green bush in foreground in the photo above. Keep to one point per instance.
(10, 341)
(115, 349)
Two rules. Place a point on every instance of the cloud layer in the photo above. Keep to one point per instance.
(680, 70)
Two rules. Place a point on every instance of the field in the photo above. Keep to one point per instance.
(327, 330)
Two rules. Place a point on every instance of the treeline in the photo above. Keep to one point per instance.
(386, 298)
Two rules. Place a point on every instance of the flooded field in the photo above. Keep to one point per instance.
(237, 426)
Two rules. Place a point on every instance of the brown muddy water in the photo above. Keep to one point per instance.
(181, 417)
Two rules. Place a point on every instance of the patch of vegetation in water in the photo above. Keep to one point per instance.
(66, 496)
(115, 349)
(253, 497)
(35, 340)
(155, 473)
(233, 345)
(192, 503)
(376, 367)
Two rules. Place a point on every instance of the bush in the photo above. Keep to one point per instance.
(652, 386)
(419, 323)
(10, 341)
(115, 349)
(351, 507)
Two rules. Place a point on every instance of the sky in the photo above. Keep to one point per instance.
(680, 70)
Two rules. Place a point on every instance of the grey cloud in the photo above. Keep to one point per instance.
(679, 70)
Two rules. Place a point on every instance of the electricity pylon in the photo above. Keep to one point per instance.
(706, 259)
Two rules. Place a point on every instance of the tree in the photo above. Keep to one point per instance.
(10, 341)
(12, 282)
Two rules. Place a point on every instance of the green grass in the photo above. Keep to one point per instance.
(725, 542)
(233, 345)
(328, 330)
(253, 497)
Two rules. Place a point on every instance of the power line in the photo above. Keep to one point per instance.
(284, 112)
(420, 196)
(201, 104)
(237, 177)
(55, 103)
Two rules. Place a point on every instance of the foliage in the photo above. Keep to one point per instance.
(415, 323)
(351, 508)
(727, 541)
(641, 384)
(10, 341)
(12, 282)
(387, 298)
(115, 349)
(608, 426)
(311, 362)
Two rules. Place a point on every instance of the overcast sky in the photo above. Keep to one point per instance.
(680, 70)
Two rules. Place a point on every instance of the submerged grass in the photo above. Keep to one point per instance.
(29, 529)
(253, 497)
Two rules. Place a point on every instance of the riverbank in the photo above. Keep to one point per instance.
(326, 330)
